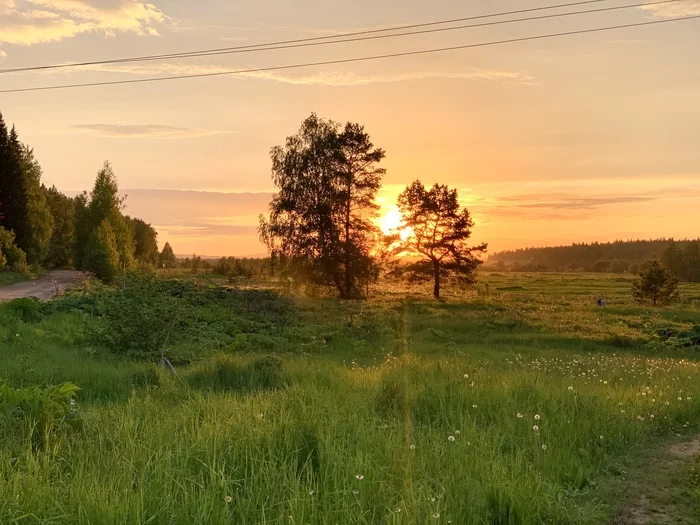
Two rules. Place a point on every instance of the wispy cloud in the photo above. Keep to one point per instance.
(684, 8)
(27, 22)
(337, 78)
(629, 41)
(144, 131)
(570, 205)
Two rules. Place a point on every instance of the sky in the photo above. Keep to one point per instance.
(575, 139)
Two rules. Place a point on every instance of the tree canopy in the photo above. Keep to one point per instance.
(320, 219)
(25, 211)
(435, 229)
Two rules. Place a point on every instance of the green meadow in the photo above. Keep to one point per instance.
(516, 401)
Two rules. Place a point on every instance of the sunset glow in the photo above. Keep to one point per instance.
(585, 138)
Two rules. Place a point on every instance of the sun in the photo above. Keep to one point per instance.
(390, 221)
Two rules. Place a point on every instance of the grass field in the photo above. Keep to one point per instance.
(515, 402)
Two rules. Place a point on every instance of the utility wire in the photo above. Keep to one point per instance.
(345, 37)
(376, 37)
(351, 60)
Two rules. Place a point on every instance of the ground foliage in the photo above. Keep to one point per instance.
(516, 401)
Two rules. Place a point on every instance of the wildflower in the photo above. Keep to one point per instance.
(680, 398)
(436, 515)
(432, 499)
(451, 438)
(457, 432)
(412, 447)
(466, 376)
(359, 477)
(535, 428)
(311, 493)
(601, 437)
(474, 406)
(571, 388)
(355, 492)
(544, 447)
(16, 335)
(228, 499)
(520, 416)
(537, 417)
(666, 403)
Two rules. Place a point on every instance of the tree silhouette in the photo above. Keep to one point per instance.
(657, 286)
(25, 211)
(435, 229)
(167, 257)
(320, 219)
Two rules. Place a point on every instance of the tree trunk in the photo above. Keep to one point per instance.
(436, 274)
(348, 272)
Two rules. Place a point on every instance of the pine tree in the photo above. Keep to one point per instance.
(436, 230)
(657, 286)
(167, 257)
(25, 211)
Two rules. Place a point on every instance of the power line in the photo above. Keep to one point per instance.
(345, 37)
(351, 60)
(375, 37)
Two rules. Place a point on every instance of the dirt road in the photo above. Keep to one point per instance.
(44, 287)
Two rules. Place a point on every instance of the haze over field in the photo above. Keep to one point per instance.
(588, 137)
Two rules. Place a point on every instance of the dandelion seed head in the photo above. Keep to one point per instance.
(451, 438)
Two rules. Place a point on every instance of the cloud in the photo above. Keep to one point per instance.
(144, 131)
(628, 41)
(684, 8)
(571, 202)
(570, 205)
(27, 22)
(335, 78)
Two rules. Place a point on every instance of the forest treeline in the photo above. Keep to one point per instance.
(681, 257)
(40, 227)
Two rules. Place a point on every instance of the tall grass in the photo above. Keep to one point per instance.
(502, 409)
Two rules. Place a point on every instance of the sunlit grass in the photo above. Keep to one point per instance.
(498, 406)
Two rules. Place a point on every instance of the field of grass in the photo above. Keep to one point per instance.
(515, 402)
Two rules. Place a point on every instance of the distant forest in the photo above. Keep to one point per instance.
(682, 257)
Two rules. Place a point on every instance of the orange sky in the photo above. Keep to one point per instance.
(588, 137)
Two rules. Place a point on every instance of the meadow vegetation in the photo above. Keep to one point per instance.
(511, 402)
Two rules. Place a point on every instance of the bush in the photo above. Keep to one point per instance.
(28, 309)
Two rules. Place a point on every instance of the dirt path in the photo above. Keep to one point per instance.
(662, 491)
(44, 287)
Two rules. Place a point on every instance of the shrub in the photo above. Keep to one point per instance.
(28, 309)
(657, 286)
